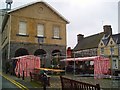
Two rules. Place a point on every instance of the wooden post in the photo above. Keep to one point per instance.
(23, 75)
(30, 76)
(44, 82)
(98, 86)
(19, 69)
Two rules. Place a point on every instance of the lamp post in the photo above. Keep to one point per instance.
(111, 50)
(74, 63)
(40, 43)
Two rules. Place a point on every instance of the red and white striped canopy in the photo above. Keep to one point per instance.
(85, 58)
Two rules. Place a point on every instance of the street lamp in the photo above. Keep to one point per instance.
(111, 50)
(74, 63)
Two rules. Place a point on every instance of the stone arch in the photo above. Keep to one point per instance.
(56, 58)
(42, 54)
(39, 52)
(56, 52)
(21, 52)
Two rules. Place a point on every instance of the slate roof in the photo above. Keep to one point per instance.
(116, 38)
(106, 39)
(89, 42)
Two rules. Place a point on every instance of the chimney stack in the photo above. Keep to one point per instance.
(80, 37)
(107, 30)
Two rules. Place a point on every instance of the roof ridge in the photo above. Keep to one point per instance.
(38, 1)
(116, 34)
(94, 35)
(24, 5)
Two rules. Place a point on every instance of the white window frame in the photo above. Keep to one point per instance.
(112, 50)
(56, 32)
(22, 28)
(40, 30)
(102, 50)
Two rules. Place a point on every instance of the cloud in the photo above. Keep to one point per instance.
(86, 16)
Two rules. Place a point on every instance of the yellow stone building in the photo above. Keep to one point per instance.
(109, 46)
(37, 29)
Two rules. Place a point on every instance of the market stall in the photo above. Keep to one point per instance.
(101, 64)
(26, 64)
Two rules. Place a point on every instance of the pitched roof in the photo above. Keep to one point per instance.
(106, 39)
(89, 42)
(116, 38)
(40, 1)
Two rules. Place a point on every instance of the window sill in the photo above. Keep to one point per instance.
(22, 35)
(56, 38)
(39, 37)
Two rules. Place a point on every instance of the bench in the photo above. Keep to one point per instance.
(38, 77)
(76, 85)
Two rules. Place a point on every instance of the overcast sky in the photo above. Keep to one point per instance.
(86, 17)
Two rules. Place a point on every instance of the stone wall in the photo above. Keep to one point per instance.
(31, 48)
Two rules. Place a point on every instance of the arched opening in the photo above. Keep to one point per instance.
(21, 52)
(42, 54)
(56, 58)
(39, 52)
(56, 52)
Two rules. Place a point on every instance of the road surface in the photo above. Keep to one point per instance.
(7, 85)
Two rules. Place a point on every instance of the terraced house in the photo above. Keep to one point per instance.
(87, 46)
(37, 29)
(109, 46)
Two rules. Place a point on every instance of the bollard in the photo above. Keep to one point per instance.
(23, 75)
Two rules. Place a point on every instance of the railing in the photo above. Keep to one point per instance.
(44, 79)
(76, 85)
